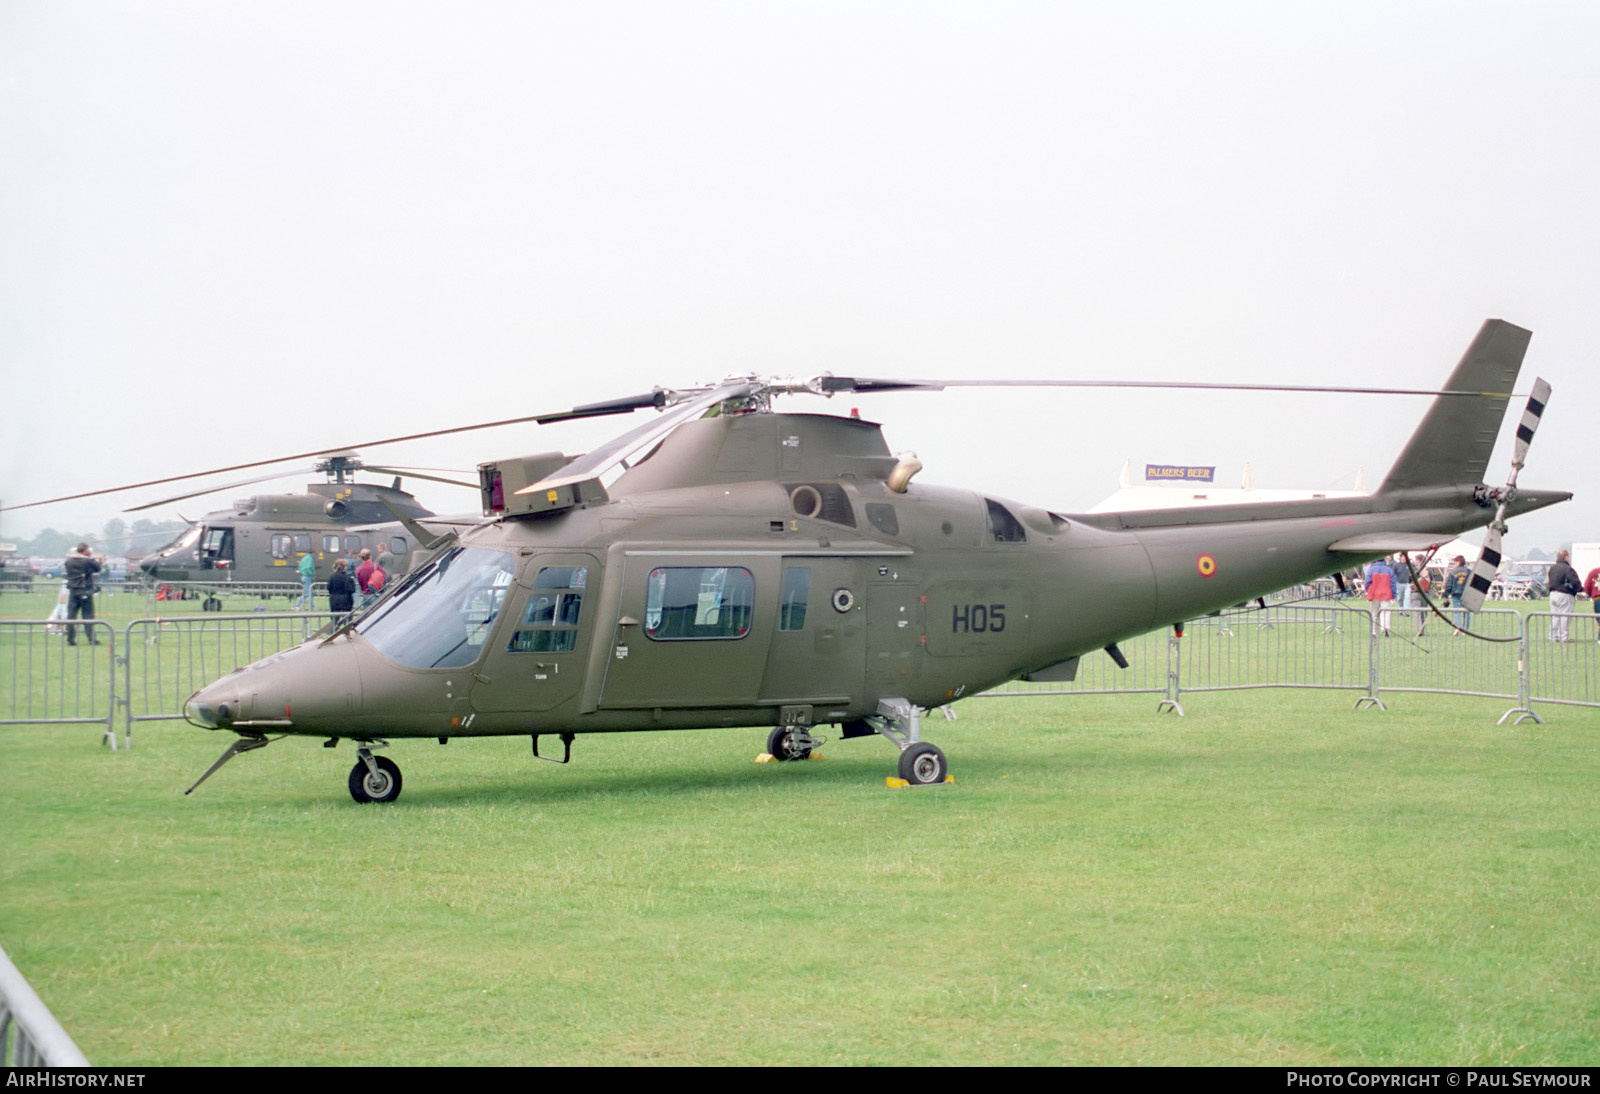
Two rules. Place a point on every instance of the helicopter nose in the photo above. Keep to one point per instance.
(208, 711)
(292, 691)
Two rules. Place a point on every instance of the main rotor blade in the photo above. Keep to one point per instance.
(829, 385)
(414, 474)
(608, 455)
(217, 489)
(656, 398)
(330, 450)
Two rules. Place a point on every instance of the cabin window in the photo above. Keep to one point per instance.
(281, 543)
(352, 545)
(302, 542)
(330, 545)
(441, 617)
(398, 545)
(698, 602)
(549, 624)
(796, 591)
(1003, 527)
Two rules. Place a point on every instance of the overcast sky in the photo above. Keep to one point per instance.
(235, 230)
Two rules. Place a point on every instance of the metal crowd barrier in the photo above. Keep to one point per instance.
(1315, 646)
(144, 674)
(45, 681)
(160, 661)
(1423, 653)
(1354, 648)
(30, 1036)
(1562, 672)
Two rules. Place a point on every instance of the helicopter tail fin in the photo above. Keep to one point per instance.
(1453, 443)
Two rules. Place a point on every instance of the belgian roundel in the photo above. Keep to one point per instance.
(1205, 565)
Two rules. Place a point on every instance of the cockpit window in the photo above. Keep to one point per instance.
(442, 616)
(549, 623)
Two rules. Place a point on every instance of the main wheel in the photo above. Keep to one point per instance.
(922, 765)
(382, 787)
(781, 745)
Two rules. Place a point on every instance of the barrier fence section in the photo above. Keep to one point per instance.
(43, 680)
(30, 1036)
(1562, 671)
(171, 658)
(1422, 653)
(1304, 646)
(1354, 648)
(148, 670)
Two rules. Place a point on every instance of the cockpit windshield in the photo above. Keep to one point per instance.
(443, 614)
(184, 541)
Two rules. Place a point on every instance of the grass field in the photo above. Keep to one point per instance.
(1272, 879)
(117, 604)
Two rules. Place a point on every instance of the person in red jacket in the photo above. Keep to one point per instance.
(1591, 589)
(1380, 590)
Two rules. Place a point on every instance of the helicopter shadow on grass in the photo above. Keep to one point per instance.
(696, 773)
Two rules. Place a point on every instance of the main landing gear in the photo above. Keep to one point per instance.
(374, 778)
(921, 764)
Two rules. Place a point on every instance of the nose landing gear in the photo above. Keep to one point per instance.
(374, 778)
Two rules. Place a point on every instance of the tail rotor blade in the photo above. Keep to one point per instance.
(1483, 571)
(1488, 565)
(1531, 417)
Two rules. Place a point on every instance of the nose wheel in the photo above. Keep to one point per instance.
(374, 778)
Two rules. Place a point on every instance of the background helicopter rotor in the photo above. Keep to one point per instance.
(336, 467)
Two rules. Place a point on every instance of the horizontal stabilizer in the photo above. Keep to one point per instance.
(1387, 542)
(1062, 672)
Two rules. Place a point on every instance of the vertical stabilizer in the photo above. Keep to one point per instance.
(1456, 437)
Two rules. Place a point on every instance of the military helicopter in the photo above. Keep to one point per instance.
(785, 570)
(260, 538)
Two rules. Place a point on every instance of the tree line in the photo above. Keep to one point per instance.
(116, 538)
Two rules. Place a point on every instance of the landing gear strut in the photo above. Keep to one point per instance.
(374, 778)
(921, 764)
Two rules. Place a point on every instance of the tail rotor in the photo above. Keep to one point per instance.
(1488, 563)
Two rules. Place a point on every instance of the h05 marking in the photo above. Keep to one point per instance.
(978, 618)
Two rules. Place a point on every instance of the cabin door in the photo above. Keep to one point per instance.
(691, 629)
